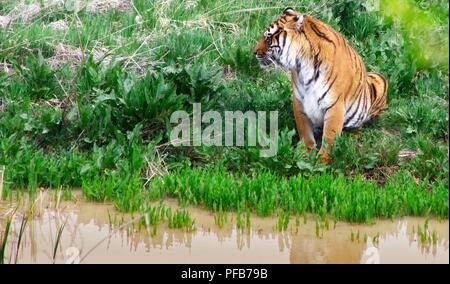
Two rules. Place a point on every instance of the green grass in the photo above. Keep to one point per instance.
(100, 122)
(4, 239)
(220, 219)
(353, 200)
(425, 236)
(174, 219)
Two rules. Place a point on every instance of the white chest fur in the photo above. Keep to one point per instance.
(310, 93)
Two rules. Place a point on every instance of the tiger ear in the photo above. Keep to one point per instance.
(299, 22)
(289, 11)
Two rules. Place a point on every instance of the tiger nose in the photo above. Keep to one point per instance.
(258, 52)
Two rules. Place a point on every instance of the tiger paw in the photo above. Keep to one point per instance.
(310, 148)
(324, 156)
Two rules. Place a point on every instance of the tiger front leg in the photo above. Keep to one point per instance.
(303, 125)
(333, 125)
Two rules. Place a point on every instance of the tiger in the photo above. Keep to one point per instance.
(332, 91)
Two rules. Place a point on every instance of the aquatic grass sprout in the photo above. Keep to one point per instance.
(4, 239)
(283, 221)
(58, 241)
(153, 216)
(352, 200)
(220, 218)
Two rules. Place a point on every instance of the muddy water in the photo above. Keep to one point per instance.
(97, 233)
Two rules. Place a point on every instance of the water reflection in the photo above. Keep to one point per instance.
(91, 235)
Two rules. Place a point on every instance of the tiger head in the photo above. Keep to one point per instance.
(270, 47)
